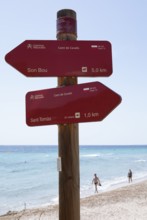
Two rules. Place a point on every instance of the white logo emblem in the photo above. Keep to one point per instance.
(77, 115)
(32, 97)
(29, 46)
(84, 69)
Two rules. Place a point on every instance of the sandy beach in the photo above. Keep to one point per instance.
(125, 203)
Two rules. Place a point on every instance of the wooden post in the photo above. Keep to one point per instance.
(68, 135)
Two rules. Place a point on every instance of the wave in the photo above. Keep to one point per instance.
(98, 155)
(18, 171)
(90, 155)
(140, 160)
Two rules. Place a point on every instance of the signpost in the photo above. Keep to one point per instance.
(35, 58)
(70, 104)
(68, 135)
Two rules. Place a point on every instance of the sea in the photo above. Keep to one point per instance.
(29, 174)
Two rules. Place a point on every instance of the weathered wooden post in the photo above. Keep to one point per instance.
(68, 135)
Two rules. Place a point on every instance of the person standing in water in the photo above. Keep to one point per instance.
(96, 182)
(130, 176)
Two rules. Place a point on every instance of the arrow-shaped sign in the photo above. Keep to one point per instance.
(40, 58)
(70, 104)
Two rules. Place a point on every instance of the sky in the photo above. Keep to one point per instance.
(123, 23)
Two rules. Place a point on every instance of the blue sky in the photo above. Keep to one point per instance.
(123, 23)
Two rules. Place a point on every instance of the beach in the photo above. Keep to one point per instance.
(124, 203)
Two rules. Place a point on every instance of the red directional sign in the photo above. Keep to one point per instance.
(39, 58)
(70, 104)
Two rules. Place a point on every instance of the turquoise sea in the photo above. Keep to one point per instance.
(29, 176)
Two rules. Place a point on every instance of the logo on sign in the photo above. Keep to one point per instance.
(29, 46)
(84, 69)
(77, 115)
(36, 46)
(39, 96)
